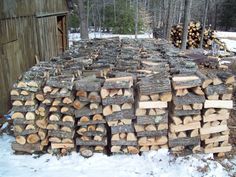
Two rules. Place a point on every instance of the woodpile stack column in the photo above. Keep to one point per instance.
(91, 126)
(185, 118)
(117, 99)
(218, 88)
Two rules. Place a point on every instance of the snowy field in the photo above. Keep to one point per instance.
(76, 36)
(152, 164)
(228, 37)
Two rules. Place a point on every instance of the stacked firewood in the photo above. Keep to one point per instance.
(194, 36)
(91, 125)
(185, 118)
(57, 104)
(154, 93)
(218, 88)
(117, 99)
(30, 137)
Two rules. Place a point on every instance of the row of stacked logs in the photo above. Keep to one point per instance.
(154, 93)
(194, 36)
(118, 101)
(218, 88)
(59, 96)
(139, 107)
(185, 116)
(29, 136)
(91, 125)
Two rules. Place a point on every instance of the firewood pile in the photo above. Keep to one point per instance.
(91, 124)
(154, 93)
(59, 97)
(118, 98)
(30, 137)
(186, 117)
(194, 36)
(218, 87)
(129, 96)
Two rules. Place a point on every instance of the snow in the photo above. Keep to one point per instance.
(154, 164)
(229, 38)
(92, 35)
(224, 34)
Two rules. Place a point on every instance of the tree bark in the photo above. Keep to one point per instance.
(169, 19)
(136, 20)
(83, 20)
(204, 22)
(188, 4)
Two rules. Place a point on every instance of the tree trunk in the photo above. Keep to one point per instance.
(204, 22)
(180, 11)
(187, 8)
(83, 20)
(155, 14)
(169, 19)
(136, 20)
(114, 3)
(159, 14)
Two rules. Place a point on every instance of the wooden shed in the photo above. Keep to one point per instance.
(29, 29)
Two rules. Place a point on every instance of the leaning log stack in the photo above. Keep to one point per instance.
(218, 89)
(91, 125)
(117, 99)
(194, 36)
(153, 95)
(29, 137)
(59, 99)
(185, 118)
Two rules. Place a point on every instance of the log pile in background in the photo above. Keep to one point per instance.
(118, 98)
(218, 88)
(185, 118)
(30, 137)
(153, 95)
(58, 102)
(91, 125)
(194, 36)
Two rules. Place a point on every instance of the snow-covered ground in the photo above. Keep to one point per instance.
(152, 164)
(76, 36)
(229, 38)
(224, 34)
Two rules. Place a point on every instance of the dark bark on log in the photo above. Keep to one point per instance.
(88, 86)
(61, 81)
(91, 142)
(26, 132)
(61, 123)
(122, 129)
(152, 133)
(124, 114)
(148, 87)
(24, 108)
(186, 141)
(117, 100)
(186, 112)
(190, 98)
(92, 122)
(124, 143)
(23, 97)
(94, 133)
(60, 134)
(145, 120)
(218, 89)
(28, 148)
(118, 84)
(87, 112)
(22, 122)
